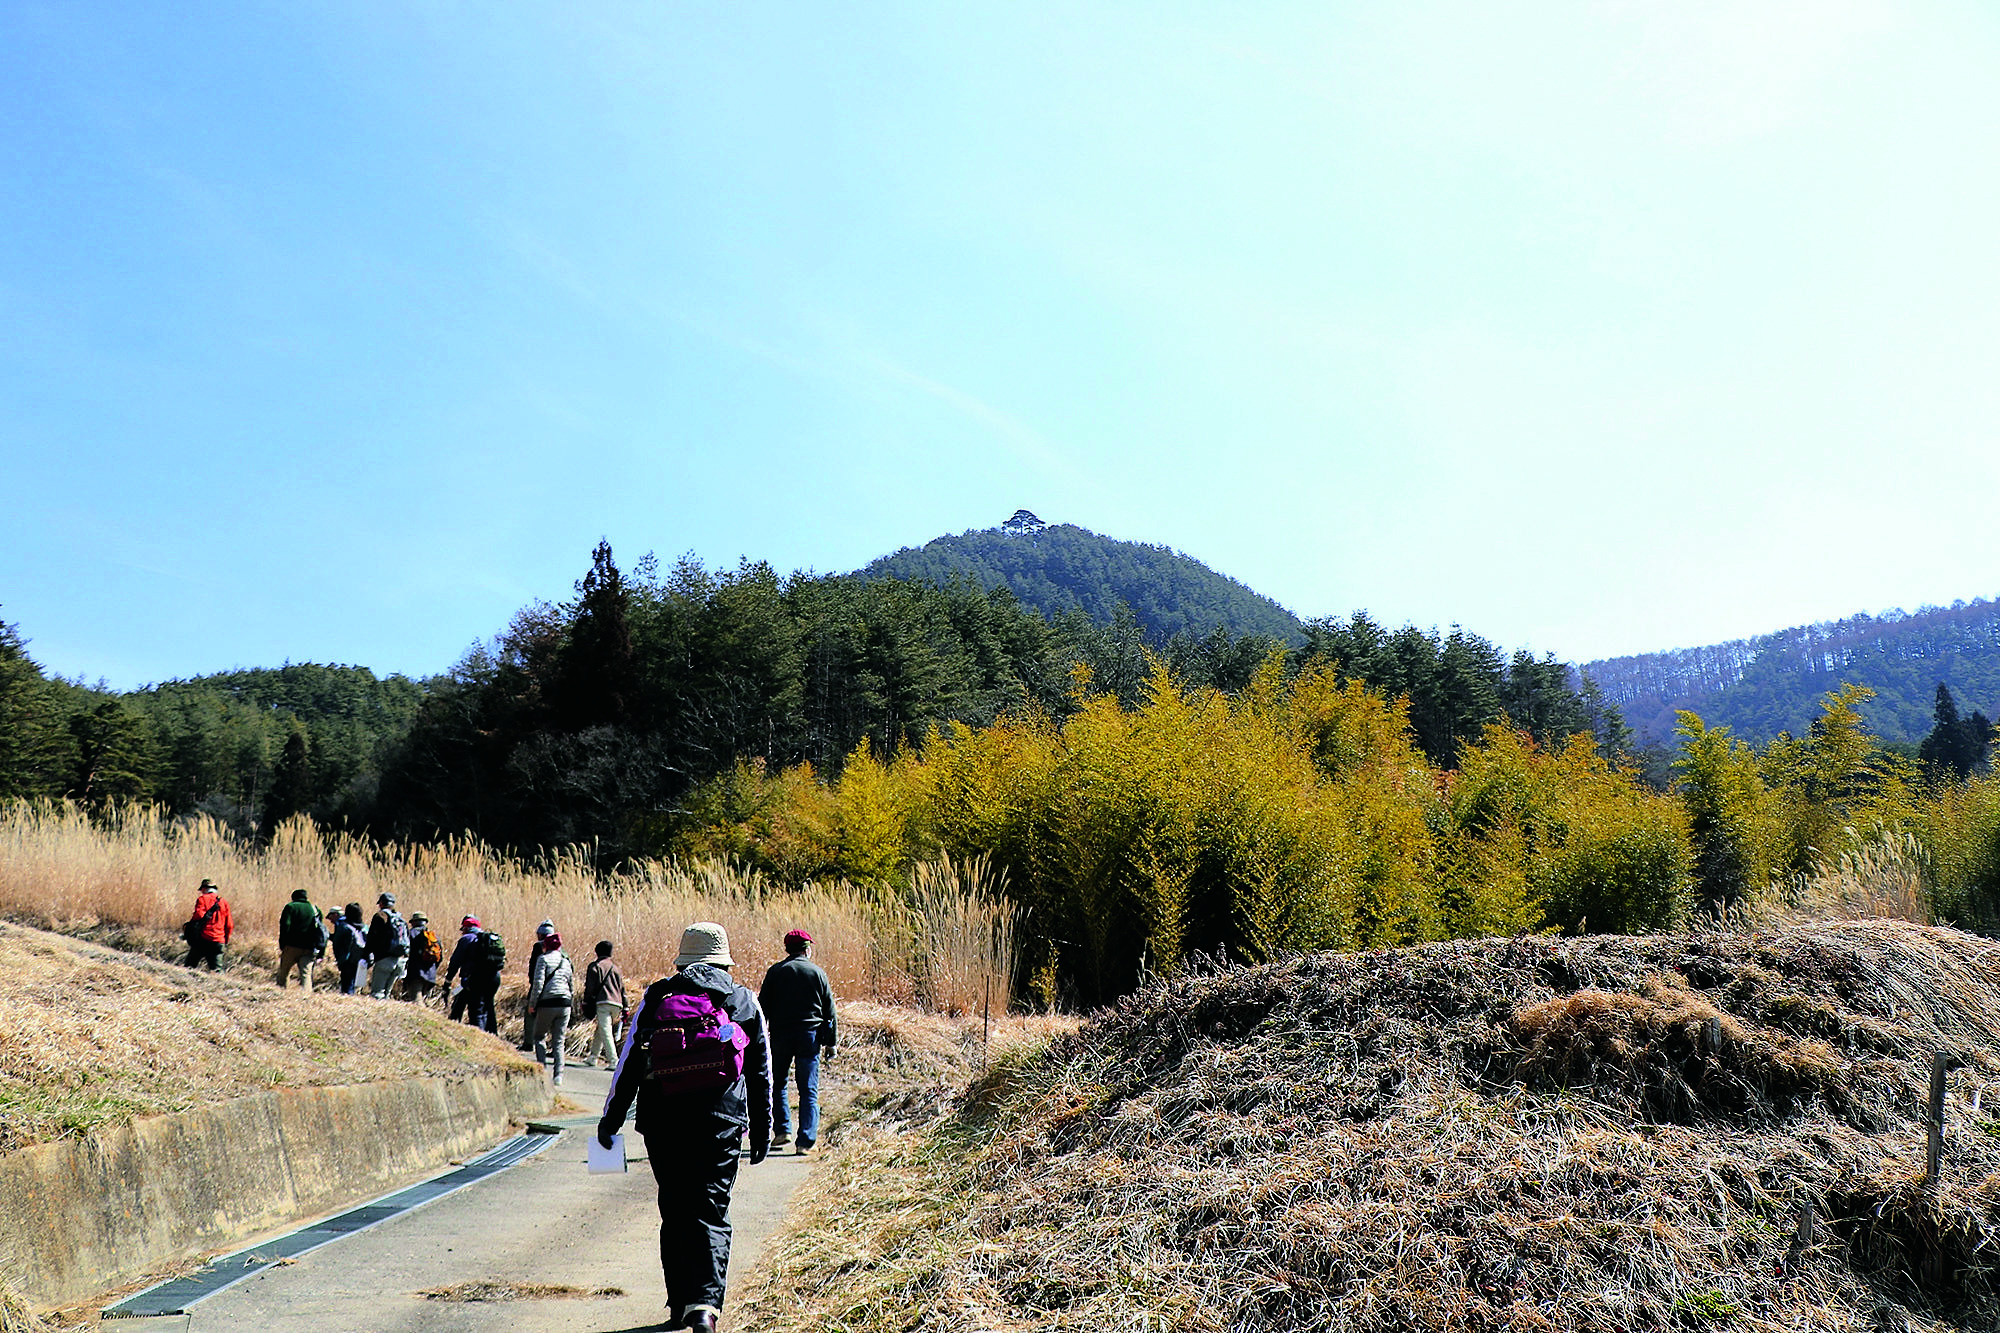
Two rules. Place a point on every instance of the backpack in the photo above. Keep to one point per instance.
(492, 953)
(695, 1045)
(425, 952)
(400, 932)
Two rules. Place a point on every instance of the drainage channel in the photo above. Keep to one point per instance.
(176, 1296)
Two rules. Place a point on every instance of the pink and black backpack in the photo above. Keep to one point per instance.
(695, 1045)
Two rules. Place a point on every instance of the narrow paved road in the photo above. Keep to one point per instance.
(545, 1221)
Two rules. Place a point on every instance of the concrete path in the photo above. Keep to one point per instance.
(545, 1221)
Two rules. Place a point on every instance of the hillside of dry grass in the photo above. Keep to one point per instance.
(1606, 1134)
(91, 1035)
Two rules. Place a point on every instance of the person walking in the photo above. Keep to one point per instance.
(301, 936)
(542, 934)
(798, 1004)
(551, 992)
(477, 961)
(350, 947)
(209, 928)
(388, 946)
(697, 1062)
(426, 954)
(604, 1003)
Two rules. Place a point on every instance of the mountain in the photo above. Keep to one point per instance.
(1773, 683)
(1059, 567)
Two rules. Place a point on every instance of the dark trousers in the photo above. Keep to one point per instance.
(205, 951)
(476, 1006)
(696, 1170)
(348, 971)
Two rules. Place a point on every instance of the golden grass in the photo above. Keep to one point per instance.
(942, 944)
(90, 1035)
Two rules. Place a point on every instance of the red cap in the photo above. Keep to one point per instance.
(798, 936)
(468, 923)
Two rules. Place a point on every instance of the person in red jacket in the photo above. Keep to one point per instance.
(208, 929)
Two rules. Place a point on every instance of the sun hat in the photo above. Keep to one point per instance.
(705, 942)
(419, 919)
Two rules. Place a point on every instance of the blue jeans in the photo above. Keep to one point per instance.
(800, 1045)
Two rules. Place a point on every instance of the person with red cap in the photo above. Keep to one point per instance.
(797, 1000)
(476, 961)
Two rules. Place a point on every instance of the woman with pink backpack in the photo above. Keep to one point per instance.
(697, 1061)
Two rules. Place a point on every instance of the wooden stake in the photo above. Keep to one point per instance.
(986, 1016)
(1802, 1236)
(1934, 1150)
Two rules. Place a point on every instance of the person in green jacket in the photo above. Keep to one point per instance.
(301, 937)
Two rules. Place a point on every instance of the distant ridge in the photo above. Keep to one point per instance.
(1058, 568)
(1772, 683)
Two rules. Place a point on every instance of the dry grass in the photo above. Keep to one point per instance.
(467, 1292)
(133, 877)
(1885, 879)
(1603, 1134)
(15, 1316)
(89, 1035)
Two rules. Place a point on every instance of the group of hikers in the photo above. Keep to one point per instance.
(694, 1070)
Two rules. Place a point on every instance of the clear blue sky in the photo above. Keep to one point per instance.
(337, 332)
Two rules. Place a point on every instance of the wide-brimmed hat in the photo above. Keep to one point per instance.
(705, 942)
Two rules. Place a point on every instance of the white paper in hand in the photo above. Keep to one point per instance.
(603, 1160)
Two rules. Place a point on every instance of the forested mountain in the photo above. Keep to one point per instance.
(1762, 686)
(1057, 568)
(249, 747)
(592, 722)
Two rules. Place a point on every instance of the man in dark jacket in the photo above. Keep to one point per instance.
(388, 946)
(693, 1138)
(350, 947)
(798, 1003)
(301, 936)
(479, 979)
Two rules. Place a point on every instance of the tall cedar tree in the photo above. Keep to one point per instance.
(596, 680)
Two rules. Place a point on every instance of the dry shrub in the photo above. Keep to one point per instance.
(136, 872)
(1368, 1143)
(15, 1316)
(1670, 1051)
(90, 1036)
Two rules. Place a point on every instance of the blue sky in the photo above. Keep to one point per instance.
(337, 332)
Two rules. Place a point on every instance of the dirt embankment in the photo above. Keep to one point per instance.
(1609, 1134)
(148, 1112)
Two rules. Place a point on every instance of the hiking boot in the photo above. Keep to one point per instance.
(805, 1146)
(701, 1318)
(780, 1140)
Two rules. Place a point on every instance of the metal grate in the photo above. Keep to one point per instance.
(176, 1296)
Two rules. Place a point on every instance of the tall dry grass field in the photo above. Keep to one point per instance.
(939, 945)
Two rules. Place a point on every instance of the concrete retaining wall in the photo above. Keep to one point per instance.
(85, 1215)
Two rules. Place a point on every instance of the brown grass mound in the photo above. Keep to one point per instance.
(1605, 1134)
(89, 1035)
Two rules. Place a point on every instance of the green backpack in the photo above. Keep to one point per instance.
(493, 951)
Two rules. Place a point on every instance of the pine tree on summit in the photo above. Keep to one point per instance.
(597, 679)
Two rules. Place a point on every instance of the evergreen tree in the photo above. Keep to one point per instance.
(291, 789)
(596, 679)
(1955, 745)
(113, 755)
